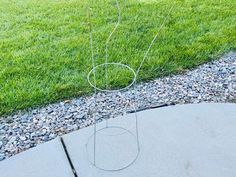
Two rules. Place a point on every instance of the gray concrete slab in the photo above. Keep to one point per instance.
(46, 160)
(197, 140)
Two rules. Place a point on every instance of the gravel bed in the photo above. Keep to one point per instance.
(211, 82)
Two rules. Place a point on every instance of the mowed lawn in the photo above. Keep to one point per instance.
(44, 44)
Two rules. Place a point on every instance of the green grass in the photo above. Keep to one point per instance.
(44, 44)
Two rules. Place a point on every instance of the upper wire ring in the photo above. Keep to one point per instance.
(114, 64)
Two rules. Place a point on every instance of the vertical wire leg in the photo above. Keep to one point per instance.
(107, 42)
(94, 140)
(136, 116)
(95, 90)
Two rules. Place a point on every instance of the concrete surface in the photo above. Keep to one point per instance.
(197, 140)
(46, 160)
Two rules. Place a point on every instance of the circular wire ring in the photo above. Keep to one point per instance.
(112, 63)
(121, 168)
(99, 131)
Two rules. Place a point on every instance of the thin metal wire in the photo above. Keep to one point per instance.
(94, 76)
(135, 135)
(136, 115)
(121, 168)
(94, 85)
(107, 42)
(154, 39)
(137, 72)
(111, 34)
(114, 64)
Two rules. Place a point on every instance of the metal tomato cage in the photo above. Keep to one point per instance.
(114, 147)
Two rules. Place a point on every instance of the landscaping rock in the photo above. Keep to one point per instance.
(211, 82)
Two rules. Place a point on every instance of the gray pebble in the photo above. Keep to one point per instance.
(1, 144)
(2, 157)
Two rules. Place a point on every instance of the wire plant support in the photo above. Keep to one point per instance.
(114, 147)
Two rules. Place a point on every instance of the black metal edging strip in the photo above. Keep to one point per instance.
(68, 157)
(151, 107)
